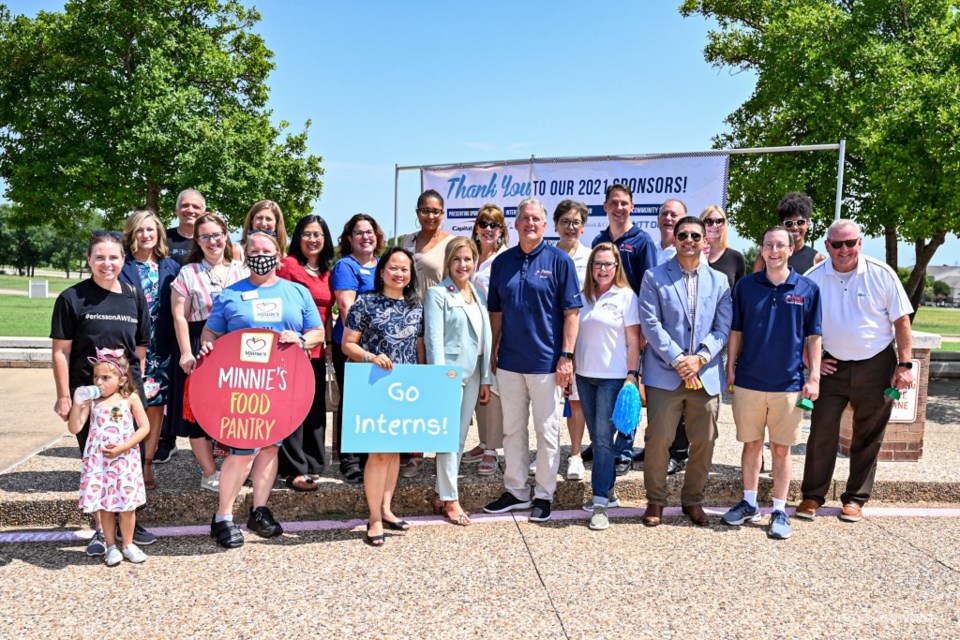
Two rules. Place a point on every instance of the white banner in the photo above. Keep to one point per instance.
(698, 181)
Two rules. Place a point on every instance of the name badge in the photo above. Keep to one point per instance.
(250, 295)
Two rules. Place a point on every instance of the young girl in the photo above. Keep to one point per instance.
(111, 478)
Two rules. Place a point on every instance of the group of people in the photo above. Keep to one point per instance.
(533, 327)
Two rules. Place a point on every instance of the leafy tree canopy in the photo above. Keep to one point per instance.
(882, 74)
(113, 104)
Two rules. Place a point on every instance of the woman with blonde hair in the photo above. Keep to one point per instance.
(148, 268)
(457, 332)
(727, 261)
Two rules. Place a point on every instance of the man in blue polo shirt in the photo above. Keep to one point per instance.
(638, 253)
(776, 315)
(533, 290)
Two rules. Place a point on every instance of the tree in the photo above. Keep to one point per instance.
(23, 244)
(113, 104)
(881, 74)
(941, 290)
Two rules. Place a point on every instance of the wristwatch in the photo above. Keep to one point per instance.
(905, 365)
(566, 354)
(634, 373)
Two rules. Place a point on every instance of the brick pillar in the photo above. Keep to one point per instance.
(903, 440)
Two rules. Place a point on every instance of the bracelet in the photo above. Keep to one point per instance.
(366, 357)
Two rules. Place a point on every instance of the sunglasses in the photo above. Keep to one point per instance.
(710, 222)
(790, 224)
(108, 234)
(693, 235)
(272, 234)
(849, 244)
(484, 224)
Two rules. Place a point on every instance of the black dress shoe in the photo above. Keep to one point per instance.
(586, 454)
(622, 467)
(226, 533)
(675, 466)
(639, 454)
(261, 522)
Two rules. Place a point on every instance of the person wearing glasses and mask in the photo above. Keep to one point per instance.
(794, 210)
(867, 348)
(429, 244)
(685, 314)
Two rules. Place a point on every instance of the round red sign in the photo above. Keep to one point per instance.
(252, 391)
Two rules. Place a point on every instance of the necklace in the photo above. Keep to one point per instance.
(315, 269)
(215, 280)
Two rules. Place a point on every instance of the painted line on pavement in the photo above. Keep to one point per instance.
(84, 535)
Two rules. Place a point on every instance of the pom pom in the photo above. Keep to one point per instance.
(626, 413)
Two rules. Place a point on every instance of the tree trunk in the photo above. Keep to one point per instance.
(153, 197)
(918, 277)
(890, 241)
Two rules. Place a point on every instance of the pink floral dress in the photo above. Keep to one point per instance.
(111, 485)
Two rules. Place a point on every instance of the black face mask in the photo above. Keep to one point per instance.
(262, 265)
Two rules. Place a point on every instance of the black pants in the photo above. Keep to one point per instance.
(303, 450)
(347, 460)
(861, 383)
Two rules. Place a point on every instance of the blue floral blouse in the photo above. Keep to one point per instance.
(387, 326)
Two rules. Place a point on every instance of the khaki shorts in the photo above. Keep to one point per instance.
(753, 411)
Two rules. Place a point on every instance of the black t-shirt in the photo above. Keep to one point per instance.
(731, 264)
(802, 260)
(92, 317)
(179, 246)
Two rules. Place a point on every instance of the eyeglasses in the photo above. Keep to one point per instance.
(272, 234)
(774, 247)
(710, 222)
(693, 235)
(313, 235)
(790, 224)
(100, 233)
(603, 266)
(360, 234)
(208, 237)
(571, 224)
(430, 213)
(849, 244)
(484, 224)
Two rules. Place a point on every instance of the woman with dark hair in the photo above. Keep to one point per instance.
(103, 312)
(311, 256)
(429, 243)
(210, 268)
(265, 216)
(360, 244)
(385, 327)
(148, 268)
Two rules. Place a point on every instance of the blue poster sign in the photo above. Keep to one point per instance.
(414, 407)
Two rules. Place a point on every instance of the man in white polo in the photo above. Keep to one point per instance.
(864, 309)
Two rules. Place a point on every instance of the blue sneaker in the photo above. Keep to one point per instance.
(741, 513)
(779, 528)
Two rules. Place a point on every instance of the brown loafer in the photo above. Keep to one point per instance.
(696, 514)
(653, 515)
(852, 512)
(807, 509)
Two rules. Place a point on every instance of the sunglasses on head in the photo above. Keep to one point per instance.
(693, 235)
(266, 232)
(849, 244)
(108, 234)
(488, 224)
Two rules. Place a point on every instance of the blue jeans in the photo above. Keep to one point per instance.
(598, 396)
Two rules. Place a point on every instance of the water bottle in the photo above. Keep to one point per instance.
(91, 392)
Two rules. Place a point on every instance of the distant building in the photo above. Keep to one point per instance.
(950, 276)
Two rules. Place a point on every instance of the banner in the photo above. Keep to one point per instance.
(698, 181)
(414, 407)
(251, 391)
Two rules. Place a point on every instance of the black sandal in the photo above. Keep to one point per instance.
(226, 533)
(352, 475)
(398, 525)
(374, 541)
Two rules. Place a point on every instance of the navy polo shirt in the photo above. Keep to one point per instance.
(532, 290)
(637, 251)
(775, 321)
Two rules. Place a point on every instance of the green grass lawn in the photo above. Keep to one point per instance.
(24, 318)
(938, 320)
(20, 283)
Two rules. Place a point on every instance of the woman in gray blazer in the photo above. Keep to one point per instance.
(457, 332)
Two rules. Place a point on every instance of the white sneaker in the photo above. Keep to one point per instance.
(600, 520)
(114, 557)
(134, 555)
(575, 468)
(211, 482)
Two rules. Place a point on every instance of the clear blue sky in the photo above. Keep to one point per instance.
(416, 82)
